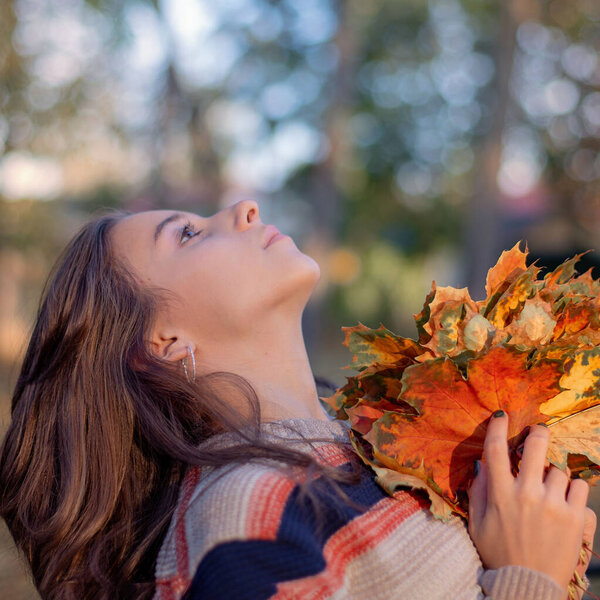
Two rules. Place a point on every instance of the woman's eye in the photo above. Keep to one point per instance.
(187, 233)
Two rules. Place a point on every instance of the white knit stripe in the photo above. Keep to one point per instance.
(224, 515)
(424, 552)
(213, 524)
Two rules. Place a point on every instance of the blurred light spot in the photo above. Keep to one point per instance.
(364, 129)
(522, 160)
(414, 179)
(296, 143)
(579, 61)
(265, 167)
(306, 84)
(279, 100)
(590, 107)
(26, 176)
(518, 175)
(415, 87)
(343, 266)
(561, 134)
(582, 165)
(461, 119)
(57, 68)
(451, 28)
(534, 38)
(208, 63)
(453, 80)
(191, 20)
(239, 12)
(268, 26)
(146, 50)
(561, 96)
(458, 159)
(41, 97)
(235, 121)
(20, 129)
(323, 58)
(315, 21)
(428, 144)
(481, 67)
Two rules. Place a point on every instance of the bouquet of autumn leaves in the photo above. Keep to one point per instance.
(418, 410)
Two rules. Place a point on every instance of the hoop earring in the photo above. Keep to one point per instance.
(184, 361)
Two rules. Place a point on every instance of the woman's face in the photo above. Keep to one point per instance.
(222, 282)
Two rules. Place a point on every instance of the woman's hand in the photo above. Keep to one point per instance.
(534, 520)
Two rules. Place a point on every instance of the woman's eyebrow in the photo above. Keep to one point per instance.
(169, 219)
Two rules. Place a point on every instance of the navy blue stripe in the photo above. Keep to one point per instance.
(250, 570)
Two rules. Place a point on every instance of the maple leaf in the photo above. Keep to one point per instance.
(478, 332)
(501, 310)
(510, 265)
(449, 308)
(535, 324)
(577, 434)
(580, 382)
(390, 480)
(377, 345)
(447, 436)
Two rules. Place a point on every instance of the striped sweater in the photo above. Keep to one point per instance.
(241, 533)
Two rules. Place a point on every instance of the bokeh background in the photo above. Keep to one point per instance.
(397, 142)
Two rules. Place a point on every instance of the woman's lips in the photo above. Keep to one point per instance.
(277, 236)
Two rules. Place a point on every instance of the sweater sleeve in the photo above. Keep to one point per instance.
(507, 583)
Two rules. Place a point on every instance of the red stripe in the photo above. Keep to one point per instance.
(172, 587)
(332, 454)
(360, 536)
(181, 546)
(266, 505)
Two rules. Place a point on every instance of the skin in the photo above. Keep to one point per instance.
(236, 304)
(538, 519)
(239, 307)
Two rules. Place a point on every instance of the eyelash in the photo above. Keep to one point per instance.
(183, 230)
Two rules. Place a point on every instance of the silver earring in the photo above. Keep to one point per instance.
(184, 361)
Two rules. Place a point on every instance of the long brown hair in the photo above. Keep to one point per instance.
(102, 431)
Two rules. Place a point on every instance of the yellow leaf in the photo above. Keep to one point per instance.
(581, 385)
(576, 434)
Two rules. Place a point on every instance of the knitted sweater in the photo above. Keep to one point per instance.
(240, 533)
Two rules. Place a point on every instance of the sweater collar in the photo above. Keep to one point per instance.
(288, 431)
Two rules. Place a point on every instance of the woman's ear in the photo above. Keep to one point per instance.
(170, 346)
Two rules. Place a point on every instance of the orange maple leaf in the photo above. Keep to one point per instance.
(442, 443)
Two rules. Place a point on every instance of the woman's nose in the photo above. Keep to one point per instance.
(245, 212)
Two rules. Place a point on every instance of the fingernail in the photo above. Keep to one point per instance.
(543, 424)
(476, 468)
(498, 413)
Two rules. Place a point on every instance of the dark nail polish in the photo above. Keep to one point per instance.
(498, 413)
(476, 468)
(543, 424)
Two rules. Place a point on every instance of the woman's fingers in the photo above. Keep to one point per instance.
(534, 455)
(495, 449)
(556, 481)
(478, 496)
(578, 493)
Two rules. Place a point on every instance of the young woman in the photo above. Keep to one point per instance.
(167, 441)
